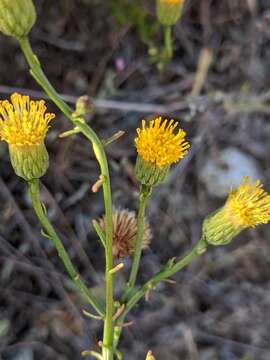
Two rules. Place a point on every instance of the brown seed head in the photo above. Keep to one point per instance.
(124, 232)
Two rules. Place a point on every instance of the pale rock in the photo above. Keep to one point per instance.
(227, 170)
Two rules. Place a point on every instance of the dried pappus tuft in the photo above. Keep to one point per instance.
(124, 232)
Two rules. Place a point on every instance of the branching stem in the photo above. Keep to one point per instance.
(42, 80)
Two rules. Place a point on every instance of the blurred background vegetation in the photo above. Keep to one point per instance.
(218, 85)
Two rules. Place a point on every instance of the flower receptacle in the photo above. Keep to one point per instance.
(29, 162)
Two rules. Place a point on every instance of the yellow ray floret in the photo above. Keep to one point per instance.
(249, 205)
(158, 144)
(23, 122)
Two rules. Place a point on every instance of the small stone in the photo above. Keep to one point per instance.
(227, 170)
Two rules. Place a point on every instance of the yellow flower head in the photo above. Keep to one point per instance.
(23, 125)
(249, 205)
(159, 145)
(23, 122)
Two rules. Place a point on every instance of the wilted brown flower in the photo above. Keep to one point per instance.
(124, 232)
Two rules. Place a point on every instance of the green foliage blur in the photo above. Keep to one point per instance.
(134, 12)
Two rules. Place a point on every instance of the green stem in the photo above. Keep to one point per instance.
(168, 42)
(145, 192)
(168, 270)
(107, 350)
(42, 80)
(38, 207)
(40, 77)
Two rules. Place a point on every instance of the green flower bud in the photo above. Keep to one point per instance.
(169, 11)
(218, 229)
(29, 162)
(17, 17)
(84, 106)
(150, 174)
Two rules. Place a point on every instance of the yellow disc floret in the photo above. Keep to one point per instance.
(159, 145)
(249, 205)
(23, 122)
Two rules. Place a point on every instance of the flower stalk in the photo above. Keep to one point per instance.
(40, 77)
(145, 193)
(170, 269)
(34, 193)
(168, 42)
